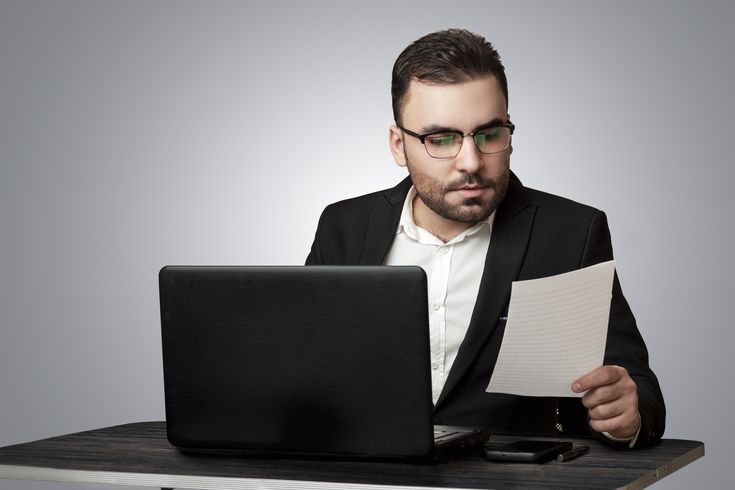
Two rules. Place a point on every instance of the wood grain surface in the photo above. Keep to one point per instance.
(142, 448)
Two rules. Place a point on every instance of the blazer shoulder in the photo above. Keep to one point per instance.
(564, 235)
(560, 207)
(356, 210)
(342, 233)
(355, 204)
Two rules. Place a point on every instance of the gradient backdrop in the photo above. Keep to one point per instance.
(135, 134)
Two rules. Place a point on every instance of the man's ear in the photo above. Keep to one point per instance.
(510, 150)
(395, 141)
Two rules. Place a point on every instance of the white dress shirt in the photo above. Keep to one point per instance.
(454, 270)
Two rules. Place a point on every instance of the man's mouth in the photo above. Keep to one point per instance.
(468, 191)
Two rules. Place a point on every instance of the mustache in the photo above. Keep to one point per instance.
(471, 179)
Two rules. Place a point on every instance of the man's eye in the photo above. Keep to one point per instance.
(490, 134)
(440, 140)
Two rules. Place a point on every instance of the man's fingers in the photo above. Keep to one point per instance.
(624, 425)
(612, 409)
(624, 390)
(611, 400)
(603, 375)
(598, 396)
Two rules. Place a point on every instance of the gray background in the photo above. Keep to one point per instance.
(138, 134)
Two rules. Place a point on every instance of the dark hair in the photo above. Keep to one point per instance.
(445, 57)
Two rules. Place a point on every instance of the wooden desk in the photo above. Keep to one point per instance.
(139, 454)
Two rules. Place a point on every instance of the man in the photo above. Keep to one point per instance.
(466, 219)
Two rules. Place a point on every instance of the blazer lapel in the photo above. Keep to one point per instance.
(508, 243)
(384, 219)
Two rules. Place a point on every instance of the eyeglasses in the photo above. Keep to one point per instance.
(446, 144)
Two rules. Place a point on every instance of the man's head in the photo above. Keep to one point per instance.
(452, 80)
(445, 58)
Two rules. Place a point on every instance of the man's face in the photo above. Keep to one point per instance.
(470, 186)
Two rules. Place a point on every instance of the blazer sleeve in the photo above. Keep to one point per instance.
(625, 346)
(338, 236)
(314, 257)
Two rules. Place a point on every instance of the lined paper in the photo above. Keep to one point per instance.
(555, 332)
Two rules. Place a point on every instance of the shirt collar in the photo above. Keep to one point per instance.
(408, 226)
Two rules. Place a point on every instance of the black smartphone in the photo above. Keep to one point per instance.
(525, 451)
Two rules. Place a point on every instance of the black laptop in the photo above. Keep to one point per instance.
(301, 360)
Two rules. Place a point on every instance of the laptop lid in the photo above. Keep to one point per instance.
(297, 359)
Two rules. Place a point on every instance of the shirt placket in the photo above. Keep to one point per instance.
(441, 265)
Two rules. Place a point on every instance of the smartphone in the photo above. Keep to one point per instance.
(525, 451)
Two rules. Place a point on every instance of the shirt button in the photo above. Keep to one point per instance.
(436, 306)
(434, 366)
(444, 250)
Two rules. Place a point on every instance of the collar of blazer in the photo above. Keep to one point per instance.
(508, 244)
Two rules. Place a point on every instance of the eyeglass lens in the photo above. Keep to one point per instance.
(447, 145)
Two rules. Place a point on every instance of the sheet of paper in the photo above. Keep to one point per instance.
(555, 332)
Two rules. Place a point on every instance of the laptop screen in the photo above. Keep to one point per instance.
(306, 359)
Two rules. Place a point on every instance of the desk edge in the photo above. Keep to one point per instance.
(657, 474)
(159, 480)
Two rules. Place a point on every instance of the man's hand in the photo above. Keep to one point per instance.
(611, 401)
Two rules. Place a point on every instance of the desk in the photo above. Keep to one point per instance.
(139, 454)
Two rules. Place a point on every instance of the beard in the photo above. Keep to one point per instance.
(471, 210)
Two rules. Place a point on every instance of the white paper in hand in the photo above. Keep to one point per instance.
(555, 332)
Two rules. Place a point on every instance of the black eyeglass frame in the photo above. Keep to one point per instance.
(422, 137)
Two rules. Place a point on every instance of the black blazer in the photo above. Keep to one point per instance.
(534, 235)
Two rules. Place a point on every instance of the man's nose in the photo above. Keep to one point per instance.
(468, 159)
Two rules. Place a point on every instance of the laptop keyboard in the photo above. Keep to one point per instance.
(442, 435)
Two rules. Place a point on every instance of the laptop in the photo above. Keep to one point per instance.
(325, 361)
